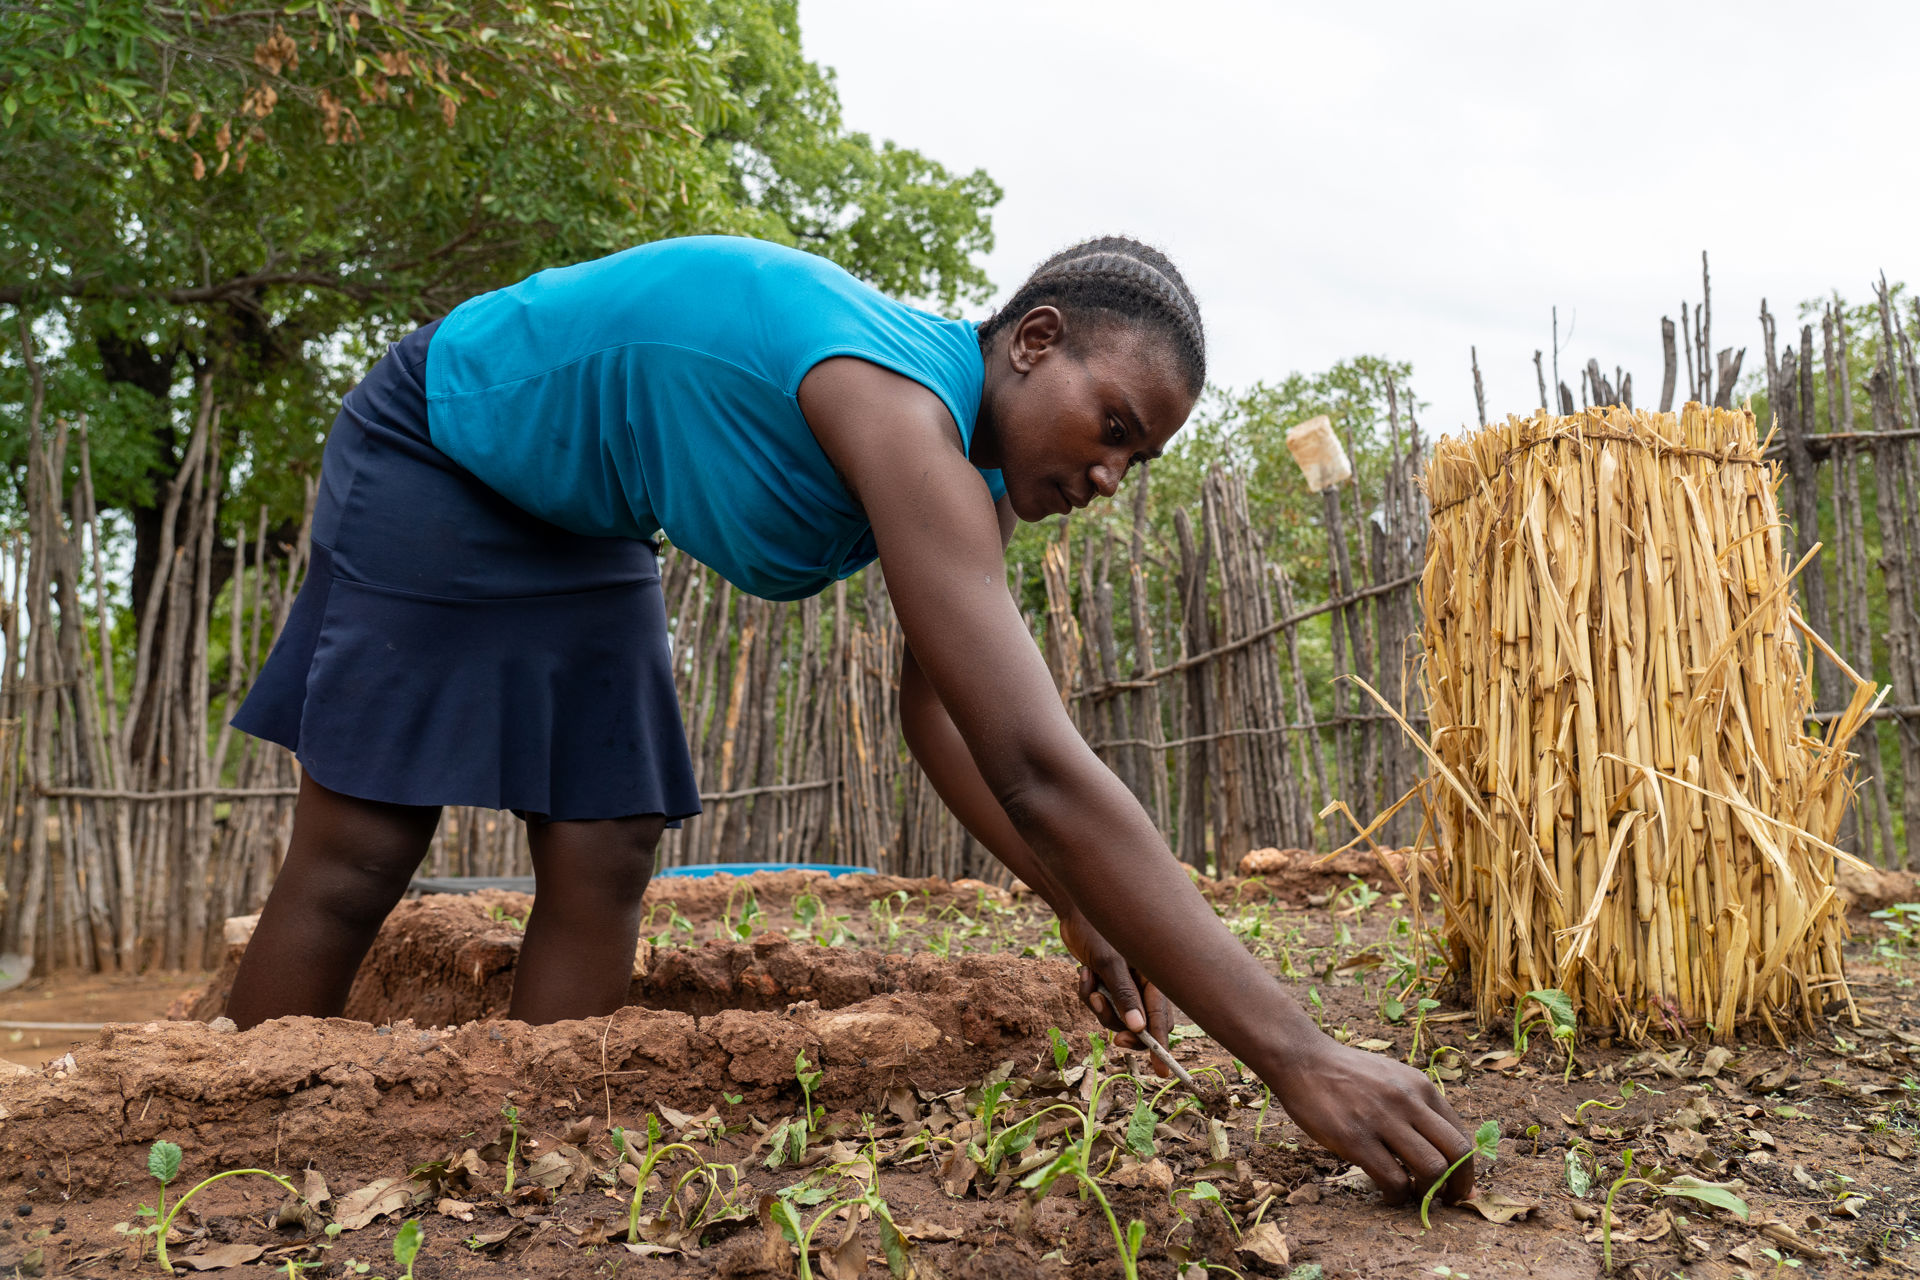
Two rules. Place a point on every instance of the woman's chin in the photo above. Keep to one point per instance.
(1026, 508)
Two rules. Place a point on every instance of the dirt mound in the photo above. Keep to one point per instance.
(1295, 874)
(445, 959)
(440, 960)
(375, 1097)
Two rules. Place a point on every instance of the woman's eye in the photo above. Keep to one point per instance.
(1115, 431)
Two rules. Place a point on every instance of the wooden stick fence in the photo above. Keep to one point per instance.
(1187, 654)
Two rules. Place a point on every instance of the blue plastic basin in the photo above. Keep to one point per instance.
(748, 868)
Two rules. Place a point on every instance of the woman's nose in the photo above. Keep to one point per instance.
(1106, 478)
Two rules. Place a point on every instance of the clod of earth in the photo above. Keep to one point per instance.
(723, 1018)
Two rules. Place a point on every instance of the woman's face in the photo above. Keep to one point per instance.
(1064, 422)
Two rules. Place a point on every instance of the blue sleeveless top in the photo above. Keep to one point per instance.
(656, 390)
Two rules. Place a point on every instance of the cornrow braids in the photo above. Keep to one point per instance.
(1120, 280)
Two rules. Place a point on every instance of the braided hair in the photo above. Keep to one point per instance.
(1117, 280)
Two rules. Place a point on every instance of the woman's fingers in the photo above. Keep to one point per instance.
(1112, 1007)
(1422, 1164)
(1446, 1137)
(1383, 1167)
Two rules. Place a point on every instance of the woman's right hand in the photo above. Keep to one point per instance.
(1381, 1114)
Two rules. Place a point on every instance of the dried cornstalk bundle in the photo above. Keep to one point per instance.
(1630, 806)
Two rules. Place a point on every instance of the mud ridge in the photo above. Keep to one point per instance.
(363, 1099)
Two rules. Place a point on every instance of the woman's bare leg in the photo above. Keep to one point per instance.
(347, 864)
(577, 958)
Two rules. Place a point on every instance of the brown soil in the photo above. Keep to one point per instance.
(86, 999)
(1802, 1129)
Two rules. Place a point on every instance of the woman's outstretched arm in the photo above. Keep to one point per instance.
(1136, 1004)
(940, 548)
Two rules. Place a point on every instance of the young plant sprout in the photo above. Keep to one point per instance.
(1205, 1193)
(163, 1162)
(645, 1163)
(1559, 1022)
(1627, 1089)
(406, 1247)
(1076, 1161)
(512, 1114)
(789, 1140)
(1486, 1146)
(1693, 1188)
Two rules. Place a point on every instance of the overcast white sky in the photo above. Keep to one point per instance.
(1411, 179)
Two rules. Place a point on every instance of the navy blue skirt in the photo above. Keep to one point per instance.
(449, 648)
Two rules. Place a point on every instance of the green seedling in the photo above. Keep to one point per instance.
(1559, 1022)
(406, 1247)
(1781, 1261)
(1902, 920)
(1204, 1193)
(512, 1113)
(1359, 896)
(1486, 1146)
(163, 1162)
(675, 923)
(1421, 1008)
(784, 1212)
(1627, 1089)
(813, 923)
(1076, 1161)
(886, 914)
(1061, 1050)
(728, 929)
(500, 915)
(1319, 1009)
(646, 1162)
(1693, 1188)
(789, 1140)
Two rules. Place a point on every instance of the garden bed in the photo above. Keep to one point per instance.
(905, 1047)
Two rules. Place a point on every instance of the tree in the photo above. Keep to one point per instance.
(269, 193)
(260, 187)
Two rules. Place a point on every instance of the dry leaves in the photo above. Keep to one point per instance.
(378, 1198)
(220, 1257)
(1498, 1208)
(1266, 1244)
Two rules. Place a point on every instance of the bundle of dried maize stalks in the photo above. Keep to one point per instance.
(1630, 805)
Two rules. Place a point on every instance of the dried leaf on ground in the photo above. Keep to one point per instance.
(1686, 1144)
(921, 1229)
(564, 1169)
(848, 1259)
(1498, 1208)
(956, 1172)
(221, 1257)
(1265, 1243)
(494, 1239)
(375, 1200)
(1354, 1179)
(1155, 1174)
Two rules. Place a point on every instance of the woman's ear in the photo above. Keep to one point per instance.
(1039, 332)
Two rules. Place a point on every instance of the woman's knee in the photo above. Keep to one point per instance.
(609, 860)
(353, 858)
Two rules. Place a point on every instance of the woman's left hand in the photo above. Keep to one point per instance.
(1136, 1004)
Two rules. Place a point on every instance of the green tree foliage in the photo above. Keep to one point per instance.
(890, 215)
(270, 192)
